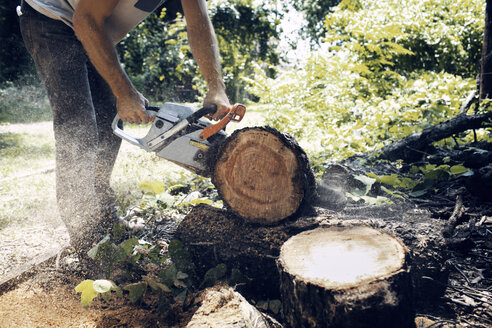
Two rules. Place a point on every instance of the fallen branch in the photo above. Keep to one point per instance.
(458, 211)
(411, 148)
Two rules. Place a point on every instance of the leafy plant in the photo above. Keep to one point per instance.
(379, 76)
(90, 289)
(358, 194)
(157, 55)
(213, 275)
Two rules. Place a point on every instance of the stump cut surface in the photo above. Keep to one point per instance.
(340, 257)
(261, 175)
(345, 277)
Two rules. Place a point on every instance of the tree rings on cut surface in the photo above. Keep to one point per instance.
(345, 277)
(262, 175)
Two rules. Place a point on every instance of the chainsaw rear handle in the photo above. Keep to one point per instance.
(117, 123)
(236, 114)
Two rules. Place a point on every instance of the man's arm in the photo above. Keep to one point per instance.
(203, 43)
(89, 22)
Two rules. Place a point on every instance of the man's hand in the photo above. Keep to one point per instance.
(132, 108)
(221, 101)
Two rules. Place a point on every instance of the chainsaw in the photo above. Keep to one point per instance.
(181, 135)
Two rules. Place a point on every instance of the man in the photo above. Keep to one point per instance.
(72, 43)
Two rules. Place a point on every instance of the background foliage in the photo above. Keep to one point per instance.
(378, 72)
(158, 56)
(14, 59)
(314, 12)
(384, 70)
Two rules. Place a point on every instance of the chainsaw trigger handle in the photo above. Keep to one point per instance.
(236, 114)
(117, 126)
(152, 111)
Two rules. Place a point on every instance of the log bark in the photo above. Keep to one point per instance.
(263, 175)
(413, 147)
(345, 277)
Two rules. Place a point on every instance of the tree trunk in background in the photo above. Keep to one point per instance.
(486, 64)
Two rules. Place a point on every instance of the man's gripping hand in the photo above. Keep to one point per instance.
(131, 108)
(218, 98)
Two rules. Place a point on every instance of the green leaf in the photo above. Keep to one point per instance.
(460, 170)
(391, 180)
(379, 200)
(100, 250)
(275, 306)
(88, 292)
(168, 275)
(213, 275)
(437, 175)
(136, 290)
(179, 284)
(181, 297)
(154, 186)
(201, 201)
(106, 296)
(366, 180)
(418, 193)
(393, 193)
(408, 183)
(128, 245)
(156, 286)
(181, 275)
(236, 277)
(180, 256)
(372, 175)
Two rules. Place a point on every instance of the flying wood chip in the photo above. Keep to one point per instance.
(263, 175)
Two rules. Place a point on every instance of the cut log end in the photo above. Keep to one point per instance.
(345, 277)
(341, 258)
(260, 175)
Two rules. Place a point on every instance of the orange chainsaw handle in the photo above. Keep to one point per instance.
(236, 114)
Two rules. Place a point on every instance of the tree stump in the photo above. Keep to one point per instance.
(262, 175)
(345, 277)
(215, 236)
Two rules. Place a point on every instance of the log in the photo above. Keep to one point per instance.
(263, 175)
(411, 148)
(345, 277)
(222, 307)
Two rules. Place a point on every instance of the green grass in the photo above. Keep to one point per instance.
(21, 104)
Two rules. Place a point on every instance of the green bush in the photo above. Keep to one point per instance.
(361, 90)
(158, 58)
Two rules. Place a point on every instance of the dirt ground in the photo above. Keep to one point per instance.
(49, 300)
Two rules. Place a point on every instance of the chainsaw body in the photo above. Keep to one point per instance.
(180, 134)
